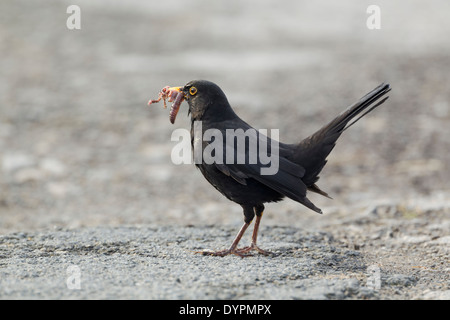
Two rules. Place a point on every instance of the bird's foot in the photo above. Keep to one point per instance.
(242, 252)
(251, 247)
(223, 253)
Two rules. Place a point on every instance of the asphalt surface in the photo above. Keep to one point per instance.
(88, 190)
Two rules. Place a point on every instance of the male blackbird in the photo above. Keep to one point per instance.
(242, 181)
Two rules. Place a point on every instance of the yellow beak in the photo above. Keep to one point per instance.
(179, 89)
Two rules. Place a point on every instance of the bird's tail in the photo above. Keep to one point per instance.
(340, 123)
(312, 152)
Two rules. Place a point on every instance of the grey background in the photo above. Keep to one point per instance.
(84, 162)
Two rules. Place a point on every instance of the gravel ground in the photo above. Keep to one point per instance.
(88, 190)
(393, 261)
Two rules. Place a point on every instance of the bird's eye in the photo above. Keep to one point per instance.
(192, 91)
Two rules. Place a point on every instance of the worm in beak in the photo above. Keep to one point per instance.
(172, 94)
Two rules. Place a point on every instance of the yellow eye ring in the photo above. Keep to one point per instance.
(192, 91)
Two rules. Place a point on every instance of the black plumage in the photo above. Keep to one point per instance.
(299, 165)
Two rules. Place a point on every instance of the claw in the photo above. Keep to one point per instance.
(253, 246)
(242, 252)
(223, 253)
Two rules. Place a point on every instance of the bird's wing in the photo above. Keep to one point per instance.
(265, 163)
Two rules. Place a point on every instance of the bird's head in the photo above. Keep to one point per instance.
(205, 100)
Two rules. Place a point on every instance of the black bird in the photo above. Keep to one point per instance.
(242, 181)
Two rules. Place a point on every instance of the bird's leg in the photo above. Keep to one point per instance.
(259, 213)
(249, 213)
(232, 249)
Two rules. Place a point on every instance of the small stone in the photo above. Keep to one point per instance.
(14, 161)
(435, 295)
(53, 167)
(28, 175)
(399, 280)
(60, 189)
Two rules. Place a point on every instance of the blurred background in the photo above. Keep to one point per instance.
(80, 147)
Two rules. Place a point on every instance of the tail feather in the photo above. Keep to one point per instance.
(311, 153)
(316, 189)
(339, 124)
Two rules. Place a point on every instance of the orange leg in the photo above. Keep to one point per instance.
(253, 245)
(232, 249)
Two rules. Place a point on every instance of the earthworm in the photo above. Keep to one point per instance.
(171, 95)
(176, 106)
